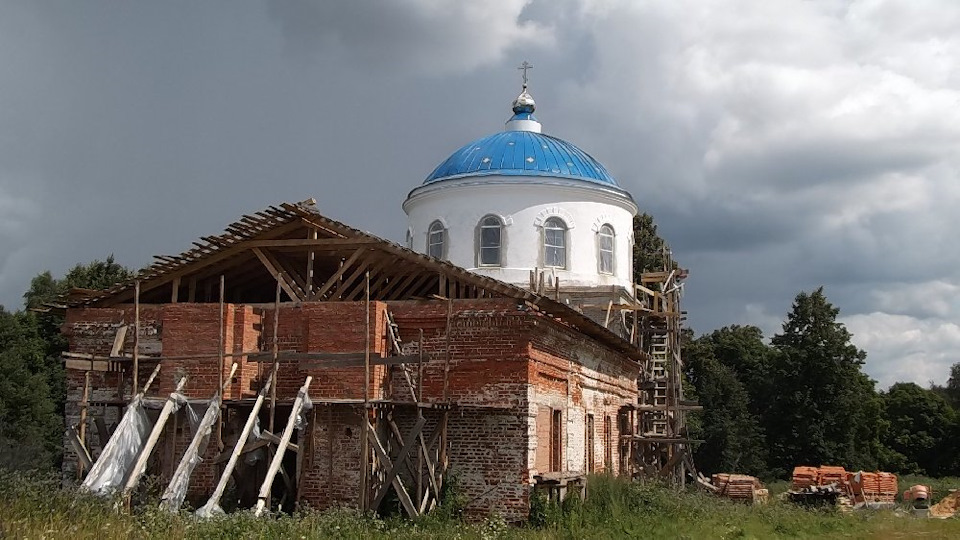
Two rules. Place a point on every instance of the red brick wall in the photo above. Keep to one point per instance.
(578, 378)
(487, 364)
(334, 475)
(244, 329)
(504, 363)
(339, 327)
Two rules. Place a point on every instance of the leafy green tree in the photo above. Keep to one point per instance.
(650, 252)
(94, 275)
(29, 419)
(734, 439)
(920, 425)
(824, 409)
(32, 378)
(742, 349)
(952, 389)
(44, 288)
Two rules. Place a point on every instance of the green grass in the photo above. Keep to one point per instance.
(33, 506)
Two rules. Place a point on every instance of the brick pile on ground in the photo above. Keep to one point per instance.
(873, 486)
(832, 475)
(739, 487)
(804, 477)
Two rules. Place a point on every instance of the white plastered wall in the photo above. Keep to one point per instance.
(523, 204)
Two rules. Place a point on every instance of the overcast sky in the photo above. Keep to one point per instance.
(780, 146)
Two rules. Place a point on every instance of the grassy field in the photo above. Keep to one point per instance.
(33, 506)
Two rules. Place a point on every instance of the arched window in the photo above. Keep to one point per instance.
(605, 239)
(490, 241)
(409, 242)
(554, 243)
(436, 238)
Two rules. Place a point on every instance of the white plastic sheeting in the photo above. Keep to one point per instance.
(119, 455)
(201, 428)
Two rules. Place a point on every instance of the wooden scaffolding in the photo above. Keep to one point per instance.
(661, 445)
(411, 464)
(291, 255)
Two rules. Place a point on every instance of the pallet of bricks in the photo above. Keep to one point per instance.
(739, 487)
(861, 487)
(867, 487)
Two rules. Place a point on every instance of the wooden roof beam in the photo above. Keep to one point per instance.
(285, 282)
(332, 280)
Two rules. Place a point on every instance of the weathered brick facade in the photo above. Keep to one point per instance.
(511, 374)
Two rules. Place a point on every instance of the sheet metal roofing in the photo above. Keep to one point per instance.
(522, 153)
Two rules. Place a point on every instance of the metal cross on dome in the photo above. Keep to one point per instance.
(524, 67)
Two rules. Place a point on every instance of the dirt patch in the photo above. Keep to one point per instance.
(947, 506)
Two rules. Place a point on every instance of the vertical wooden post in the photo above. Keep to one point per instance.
(276, 356)
(84, 404)
(442, 465)
(310, 257)
(136, 335)
(365, 434)
(420, 370)
(220, 352)
(446, 359)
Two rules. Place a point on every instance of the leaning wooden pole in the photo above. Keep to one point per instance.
(365, 432)
(177, 489)
(140, 466)
(214, 501)
(136, 336)
(281, 448)
(84, 405)
(220, 359)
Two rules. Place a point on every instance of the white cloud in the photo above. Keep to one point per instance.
(901, 348)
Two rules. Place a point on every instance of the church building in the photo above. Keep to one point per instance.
(294, 360)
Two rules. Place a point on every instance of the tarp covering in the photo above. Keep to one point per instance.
(121, 451)
(177, 489)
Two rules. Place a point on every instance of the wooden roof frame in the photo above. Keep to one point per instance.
(325, 261)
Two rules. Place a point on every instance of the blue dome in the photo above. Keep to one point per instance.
(521, 153)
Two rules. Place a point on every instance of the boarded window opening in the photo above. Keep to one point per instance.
(607, 443)
(556, 441)
(591, 458)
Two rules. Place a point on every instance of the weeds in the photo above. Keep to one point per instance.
(34, 506)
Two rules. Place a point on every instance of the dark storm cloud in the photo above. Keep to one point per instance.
(779, 145)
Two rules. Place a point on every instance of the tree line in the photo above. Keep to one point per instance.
(32, 378)
(801, 398)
